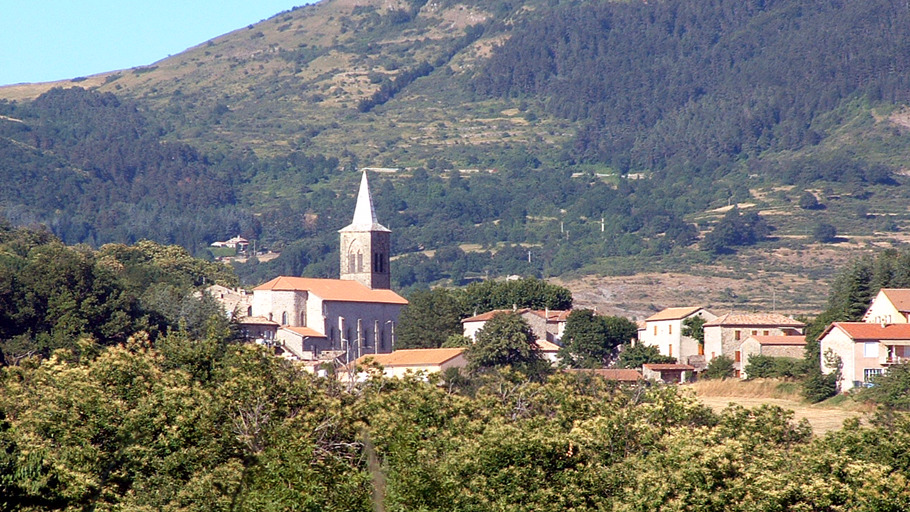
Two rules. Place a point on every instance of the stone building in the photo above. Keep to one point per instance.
(352, 316)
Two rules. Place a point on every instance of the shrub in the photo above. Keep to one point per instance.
(767, 367)
(719, 368)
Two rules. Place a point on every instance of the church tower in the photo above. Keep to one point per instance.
(365, 244)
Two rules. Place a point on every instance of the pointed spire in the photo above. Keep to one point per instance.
(364, 212)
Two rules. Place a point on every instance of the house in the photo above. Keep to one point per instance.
(355, 314)
(669, 373)
(622, 375)
(259, 329)
(237, 242)
(865, 350)
(664, 331)
(890, 306)
(771, 346)
(547, 325)
(235, 301)
(725, 334)
(415, 361)
(548, 351)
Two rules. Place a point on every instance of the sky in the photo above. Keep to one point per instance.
(46, 40)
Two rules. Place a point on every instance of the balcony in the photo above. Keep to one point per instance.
(896, 360)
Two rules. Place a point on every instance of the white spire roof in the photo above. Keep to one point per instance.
(364, 213)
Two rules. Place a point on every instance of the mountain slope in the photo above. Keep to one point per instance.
(602, 135)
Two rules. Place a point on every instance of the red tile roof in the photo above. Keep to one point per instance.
(256, 320)
(333, 290)
(484, 317)
(414, 357)
(900, 297)
(866, 331)
(546, 346)
(673, 314)
(780, 340)
(554, 315)
(754, 320)
(306, 332)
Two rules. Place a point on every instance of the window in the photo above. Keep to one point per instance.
(737, 335)
(765, 333)
(871, 373)
(303, 319)
(870, 349)
(249, 311)
(359, 262)
(655, 330)
(670, 329)
(737, 356)
(284, 318)
(671, 351)
(755, 332)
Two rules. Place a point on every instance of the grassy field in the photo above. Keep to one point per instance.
(824, 417)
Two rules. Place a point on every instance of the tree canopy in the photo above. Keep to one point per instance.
(590, 339)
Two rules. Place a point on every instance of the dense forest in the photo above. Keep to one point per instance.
(636, 120)
(187, 424)
(53, 296)
(658, 84)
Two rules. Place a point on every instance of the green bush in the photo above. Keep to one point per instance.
(719, 368)
(768, 367)
(890, 390)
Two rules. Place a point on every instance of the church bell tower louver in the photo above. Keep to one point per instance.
(365, 244)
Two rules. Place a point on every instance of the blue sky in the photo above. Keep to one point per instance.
(44, 40)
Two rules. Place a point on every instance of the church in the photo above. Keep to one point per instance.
(351, 316)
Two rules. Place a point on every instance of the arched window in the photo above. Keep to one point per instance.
(249, 311)
(303, 319)
(284, 318)
(359, 262)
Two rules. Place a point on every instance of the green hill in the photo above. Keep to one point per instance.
(599, 136)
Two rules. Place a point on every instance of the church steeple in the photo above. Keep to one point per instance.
(365, 244)
(364, 213)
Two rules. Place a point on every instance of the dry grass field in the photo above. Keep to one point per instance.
(823, 417)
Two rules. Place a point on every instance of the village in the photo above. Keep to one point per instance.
(344, 325)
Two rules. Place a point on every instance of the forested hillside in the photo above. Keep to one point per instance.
(534, 138)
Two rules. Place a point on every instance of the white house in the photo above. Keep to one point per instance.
(664, 331)
(547, 325)
(890, 306)
(865, 350)
(415, 361)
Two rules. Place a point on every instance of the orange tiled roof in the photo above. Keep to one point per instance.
(667, 366)
(755, 319)
(414, 357)
(673, 314)
(306, 332)
(554, 315)
(780, 340)
(546, 346)
(484, 317)
(900, 297)
(866, 331)
(620, 374)
(333, 290)
(256, 320)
